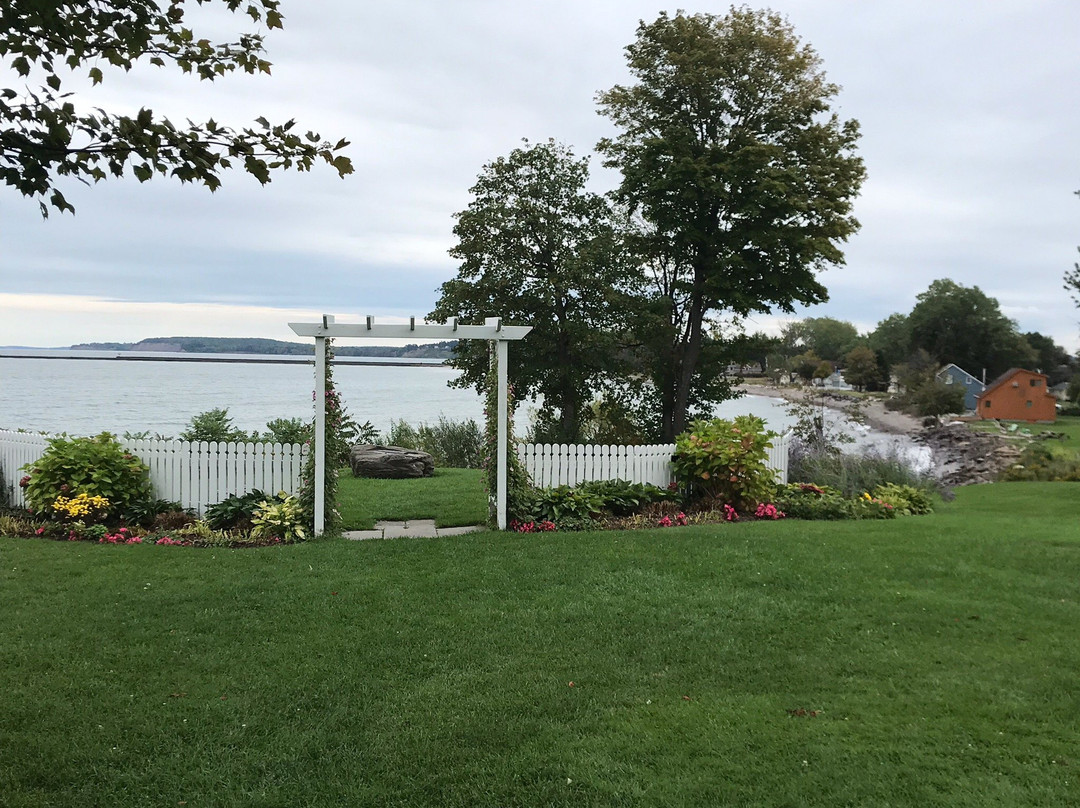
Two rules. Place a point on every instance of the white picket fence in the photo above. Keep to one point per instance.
(551, 465)
(194, 474)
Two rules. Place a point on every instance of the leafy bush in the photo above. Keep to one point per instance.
(214, 425)
(568, 508)
(287, 430)
(236, 512)
(145, 511)
(279, 519)
(814, 502)
(452, 444)
(906, 500)
(725, 461)
(96, 466)
(578, 507)
(870, 507)
(1037, 462)
(621, 498)
(402, 434)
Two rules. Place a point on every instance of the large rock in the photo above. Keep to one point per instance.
(390, 462)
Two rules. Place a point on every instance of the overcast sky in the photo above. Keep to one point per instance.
(968, 110)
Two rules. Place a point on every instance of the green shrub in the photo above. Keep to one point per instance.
(870, 507)
(279, 519)
(905, 499)
(621, 498)
(452, 444)
(145, 511)
(215, 426)
(725, 461)
(402, 434)
(236, 512)
(97, 466)
(569, 508)
(814, 502)
(287, 430)
(1037, 462)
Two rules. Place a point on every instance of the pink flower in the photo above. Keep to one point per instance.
(730, 514)
(665, 521)
(39, 531)
(680, 519)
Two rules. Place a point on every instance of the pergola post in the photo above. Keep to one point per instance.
(492, 330)
(503, 442)
(320, 429)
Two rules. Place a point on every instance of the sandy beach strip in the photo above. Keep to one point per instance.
(873, 409)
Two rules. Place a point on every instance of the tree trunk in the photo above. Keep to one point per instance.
(689, 349)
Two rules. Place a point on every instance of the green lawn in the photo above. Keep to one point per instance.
(917, 662)
(452, 497)
(1068, 425)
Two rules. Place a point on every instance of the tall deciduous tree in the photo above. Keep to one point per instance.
(892, 339)
(1050, 358)
(965, 326)
(743, 177)
(537, 249)
(1072, 279)
(44, 136)
(828, 337)
(861, 368)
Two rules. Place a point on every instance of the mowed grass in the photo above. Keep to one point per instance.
(922, 661)
(452, 497)
(1067, 425)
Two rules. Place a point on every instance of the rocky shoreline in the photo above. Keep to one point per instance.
(961, 456)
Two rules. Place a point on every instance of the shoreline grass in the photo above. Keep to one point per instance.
(918, 661)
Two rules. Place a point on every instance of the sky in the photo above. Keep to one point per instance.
(969, 135)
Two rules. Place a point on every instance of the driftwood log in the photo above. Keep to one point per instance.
(389, 462)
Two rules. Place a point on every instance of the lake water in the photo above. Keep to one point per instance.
(88, 396)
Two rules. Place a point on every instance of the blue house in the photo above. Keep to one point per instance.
(951, 374)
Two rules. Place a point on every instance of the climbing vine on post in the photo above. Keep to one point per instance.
(336, 448)
(518, 484)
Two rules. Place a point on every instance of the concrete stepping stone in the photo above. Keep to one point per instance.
(414, 528)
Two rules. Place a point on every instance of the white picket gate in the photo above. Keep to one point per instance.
(551, 465)
(195, 474)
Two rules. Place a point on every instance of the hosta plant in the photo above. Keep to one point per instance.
(279, 519)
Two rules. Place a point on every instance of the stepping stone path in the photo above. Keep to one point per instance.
(414, 528)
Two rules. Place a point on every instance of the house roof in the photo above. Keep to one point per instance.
(1004, 377)
(971, 378)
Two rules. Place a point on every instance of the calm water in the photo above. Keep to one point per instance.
(88, 396)
(84, 397)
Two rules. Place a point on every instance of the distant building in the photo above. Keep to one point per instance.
(951, 374)
(1018, 395)
(836, 381)
(752, 369)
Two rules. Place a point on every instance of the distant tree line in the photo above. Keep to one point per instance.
(270, 347)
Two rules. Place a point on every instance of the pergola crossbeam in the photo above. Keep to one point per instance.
(492, 330)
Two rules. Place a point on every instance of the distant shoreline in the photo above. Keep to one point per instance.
(170, 356)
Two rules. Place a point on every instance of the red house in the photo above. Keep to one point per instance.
(1018, 395)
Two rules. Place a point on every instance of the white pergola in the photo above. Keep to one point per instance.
(492, 330)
